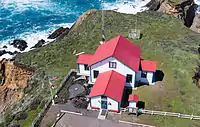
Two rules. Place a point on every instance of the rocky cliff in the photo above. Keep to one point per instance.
(13, 79)
(186, 10)
(196, 23)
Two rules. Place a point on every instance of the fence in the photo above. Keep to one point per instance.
(38, 119)
(151, 112)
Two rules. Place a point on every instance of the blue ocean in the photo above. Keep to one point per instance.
(33, 19)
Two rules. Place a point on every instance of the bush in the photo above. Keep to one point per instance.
(35, 103)
(21, 116)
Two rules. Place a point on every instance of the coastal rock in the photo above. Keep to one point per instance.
(5, 47)
(20, 44)
(2, 52)
(39, 44)
(58, 32)
(196, 23)
(154, 5)
(190, 14)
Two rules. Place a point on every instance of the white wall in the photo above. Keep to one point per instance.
(95, 102)
(82, 70)
(111, 104)
(114, 104)
(148, 79)
(103, 66)
(132, 104)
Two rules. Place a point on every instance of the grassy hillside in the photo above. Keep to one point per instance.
(164, 39)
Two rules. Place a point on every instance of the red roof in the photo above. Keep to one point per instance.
(84, 58)
(148, 65)
(120, 48)
(133, 97)
(110, 84)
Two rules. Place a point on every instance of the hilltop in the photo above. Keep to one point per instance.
(164, 39)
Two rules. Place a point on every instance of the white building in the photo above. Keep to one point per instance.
(115, 64)
(122, 56)
(133, 100)
(107, 91)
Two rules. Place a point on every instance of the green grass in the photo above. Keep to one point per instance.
(164, 39)
(32, 114)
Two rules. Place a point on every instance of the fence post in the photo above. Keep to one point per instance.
(151, 112)
(192, 116)
(179, 115)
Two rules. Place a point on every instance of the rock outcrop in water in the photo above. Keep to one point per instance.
(20, 44)
(59, 33)
(39, 44)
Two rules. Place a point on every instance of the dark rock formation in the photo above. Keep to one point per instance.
(190, 14)
(58, 33)
(39, 44)
(154, 5)
(20, 44)
(2, 52)
(5, 47)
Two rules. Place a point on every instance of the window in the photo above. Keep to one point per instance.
(112, 65)
(144, 74)
(86, 67)
(96, 73)
(129, 78)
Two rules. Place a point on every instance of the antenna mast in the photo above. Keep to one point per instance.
(102, 20)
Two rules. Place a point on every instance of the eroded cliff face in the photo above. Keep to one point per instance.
(196, 23)
(186, 11)
(13, 79)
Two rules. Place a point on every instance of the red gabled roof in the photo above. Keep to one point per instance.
(110, 84)
(133, 97)
(84, 58)
(148, 65)
(120, 48)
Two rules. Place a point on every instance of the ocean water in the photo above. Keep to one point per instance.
(32, 20)
(198, 3)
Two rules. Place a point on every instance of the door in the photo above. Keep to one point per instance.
(104, 104)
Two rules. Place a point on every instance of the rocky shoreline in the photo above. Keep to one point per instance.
(19, 46)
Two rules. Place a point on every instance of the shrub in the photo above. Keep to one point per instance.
(21, 116)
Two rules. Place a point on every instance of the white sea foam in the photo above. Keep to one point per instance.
(31, 39)
(198, 3)
(128, 7)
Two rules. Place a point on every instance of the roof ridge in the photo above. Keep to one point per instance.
(116, 45)
(108, 81)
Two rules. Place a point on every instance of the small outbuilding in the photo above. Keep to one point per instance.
(83, 61)
(107, 91)
(147, 72)
(133, 100)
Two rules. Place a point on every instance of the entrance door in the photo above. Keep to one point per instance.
(104, 104)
